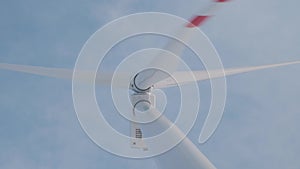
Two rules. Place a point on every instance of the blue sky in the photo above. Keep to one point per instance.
(38, 125)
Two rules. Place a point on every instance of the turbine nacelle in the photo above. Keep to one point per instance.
(141, 103)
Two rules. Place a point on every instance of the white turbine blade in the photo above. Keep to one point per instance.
(37, 70)
(168, 61)
(184, 155)
(101, 79)
(184, 78)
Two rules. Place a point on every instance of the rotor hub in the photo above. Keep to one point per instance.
(137, 89)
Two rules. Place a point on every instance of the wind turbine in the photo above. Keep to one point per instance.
(142, 85)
